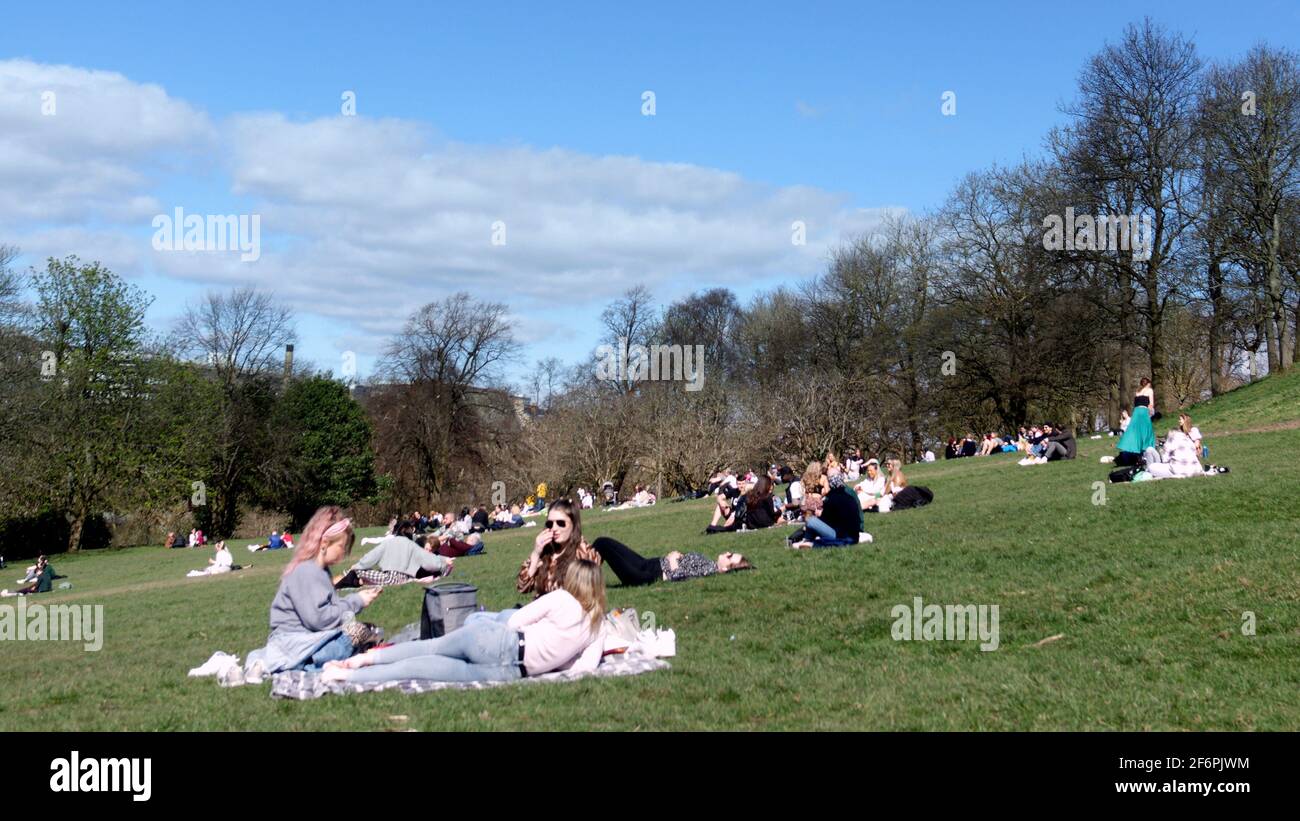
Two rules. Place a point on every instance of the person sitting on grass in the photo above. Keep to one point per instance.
(562, 630)
(396, 560)
(988, 444)
(793, 499)
(1194, 433)
(220, 563)
(273, 542)
(310, 624)
(558, 545)
(814, 490)
(633, 569)
(840, 521)
(1139, 440)
(759, 510)
(1181, 458)
(872, 488)
(1060, 444)
(40, 577)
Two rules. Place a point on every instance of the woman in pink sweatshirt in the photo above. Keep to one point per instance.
(559, 631)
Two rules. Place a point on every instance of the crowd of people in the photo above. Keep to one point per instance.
(315, 627)
(828, 499)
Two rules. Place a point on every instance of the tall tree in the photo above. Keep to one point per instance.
(1135, 119)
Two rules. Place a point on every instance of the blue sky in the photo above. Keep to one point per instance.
(765, 113)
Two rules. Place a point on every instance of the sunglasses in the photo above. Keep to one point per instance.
(556, 523)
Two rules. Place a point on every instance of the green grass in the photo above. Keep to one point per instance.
(1274, 400)
(1148, 589)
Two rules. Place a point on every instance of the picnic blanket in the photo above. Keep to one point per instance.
(303, 686)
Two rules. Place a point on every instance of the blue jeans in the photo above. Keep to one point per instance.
(482, 650)
(826, 536)
(487, 615)
(336, 649)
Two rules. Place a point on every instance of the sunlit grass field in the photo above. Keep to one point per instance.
(1147, 589)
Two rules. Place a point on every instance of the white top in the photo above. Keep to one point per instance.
(796, 491)
(223, 558)
(873, 488)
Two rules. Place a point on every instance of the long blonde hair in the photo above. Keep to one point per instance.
(812, 477)
(586, 583)
(1185, 423)
(897, 481)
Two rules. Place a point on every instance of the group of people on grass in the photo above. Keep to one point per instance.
(828, 499)
(38, 578)
(1179, 457)
(314, 628)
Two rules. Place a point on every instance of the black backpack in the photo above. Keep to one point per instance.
(446, 606)
(913, 496)
(1125, 474)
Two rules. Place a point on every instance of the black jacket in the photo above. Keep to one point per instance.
(842, 511)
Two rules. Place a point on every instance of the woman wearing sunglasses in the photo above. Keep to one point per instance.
(558, 545)
(634, 569)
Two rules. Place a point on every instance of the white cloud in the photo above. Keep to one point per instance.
(363, 217)
(98, 155)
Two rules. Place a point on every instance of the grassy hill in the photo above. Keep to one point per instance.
(1146, 583)
(1272, 401)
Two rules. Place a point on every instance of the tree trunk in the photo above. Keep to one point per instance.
(74, 534)
(1156, 343)
(1276, 319)
(1295, 336)
(1125, 336)
(1217, 311)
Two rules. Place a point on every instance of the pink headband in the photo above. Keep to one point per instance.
(337, 528)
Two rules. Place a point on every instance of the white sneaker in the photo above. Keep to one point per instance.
(252, 548)
(1042, 460)
(1028, 460)
(865, 538)
(1106, 460)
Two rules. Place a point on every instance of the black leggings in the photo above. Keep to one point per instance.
(630, 567)
(1127, 458)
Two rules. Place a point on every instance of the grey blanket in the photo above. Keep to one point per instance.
(304, 686)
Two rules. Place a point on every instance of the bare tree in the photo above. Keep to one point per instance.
(239, 334)
(438, 410)
(1135, 124)
(1251, 112)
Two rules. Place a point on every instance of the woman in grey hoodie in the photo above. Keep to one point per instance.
(308, 619)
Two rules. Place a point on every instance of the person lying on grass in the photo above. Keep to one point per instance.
(453, 548)
(558, 545)
(220, 563)
(310, 624)
(396, 560)
(633, 569)
(562, 630)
